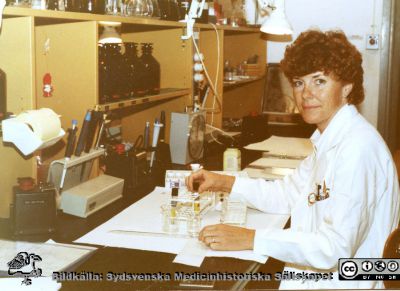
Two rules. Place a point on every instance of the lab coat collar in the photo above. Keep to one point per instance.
(335, 130)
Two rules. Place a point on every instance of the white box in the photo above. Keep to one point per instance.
(90, 196)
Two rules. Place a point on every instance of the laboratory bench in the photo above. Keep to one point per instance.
(120, 260)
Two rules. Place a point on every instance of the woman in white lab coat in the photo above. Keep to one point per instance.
(344, 198)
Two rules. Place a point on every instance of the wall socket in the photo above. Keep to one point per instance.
(372, 42)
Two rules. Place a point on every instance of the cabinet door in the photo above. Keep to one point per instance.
(68, 52)
(16, 60)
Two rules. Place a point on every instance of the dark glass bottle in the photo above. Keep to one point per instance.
(3, 94)
(74, 5)
(99, 7)
(173, 10)
(204, 15)
(111, 77)
(52, 5)
(133, 67)
(152, 69)
(164, 9)
(116, 66)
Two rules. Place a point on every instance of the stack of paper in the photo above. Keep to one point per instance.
(284, 146)
(53, 256)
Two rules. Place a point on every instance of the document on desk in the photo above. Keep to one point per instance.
(53, 256)
(140, 227)
(272, 168)
(284, 146)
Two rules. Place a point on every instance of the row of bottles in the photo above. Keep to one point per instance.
(127, 75)
(163, 9)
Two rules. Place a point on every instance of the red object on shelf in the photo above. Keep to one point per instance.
(120, 148)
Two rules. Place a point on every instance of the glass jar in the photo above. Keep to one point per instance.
(232, 159)
(233, 212)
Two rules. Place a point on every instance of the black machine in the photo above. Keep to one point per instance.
(130, 166)
(34, 208)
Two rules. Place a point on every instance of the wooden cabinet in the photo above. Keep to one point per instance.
(64, 44)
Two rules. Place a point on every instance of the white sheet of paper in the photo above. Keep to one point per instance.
(39, 283)
(192, 254)
(284, 146)
(133, 228)
(55, 257)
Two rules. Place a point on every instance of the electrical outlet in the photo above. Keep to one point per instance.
(372, 42)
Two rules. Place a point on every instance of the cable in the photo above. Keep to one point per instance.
(208, 76)
(221, 131)
(214, 89)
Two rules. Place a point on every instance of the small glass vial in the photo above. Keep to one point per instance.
(232, 159)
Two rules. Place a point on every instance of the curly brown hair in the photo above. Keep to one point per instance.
(328, 52)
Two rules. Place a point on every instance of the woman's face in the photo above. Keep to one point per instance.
(319, 96)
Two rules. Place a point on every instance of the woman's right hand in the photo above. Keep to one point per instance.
(209, 181)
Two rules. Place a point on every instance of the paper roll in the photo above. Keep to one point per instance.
(44, 123)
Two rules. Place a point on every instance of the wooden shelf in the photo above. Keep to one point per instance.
(230, 84)
(165, 94)
(228, 28)
(77, 16)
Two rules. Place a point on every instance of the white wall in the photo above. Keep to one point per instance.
(355, 18)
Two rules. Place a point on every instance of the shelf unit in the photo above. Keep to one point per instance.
(71, 58)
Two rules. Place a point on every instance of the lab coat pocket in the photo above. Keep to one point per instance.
(321, 208)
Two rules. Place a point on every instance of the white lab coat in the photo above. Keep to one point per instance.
(362, 210)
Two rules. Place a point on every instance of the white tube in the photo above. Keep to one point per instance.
(156, 133)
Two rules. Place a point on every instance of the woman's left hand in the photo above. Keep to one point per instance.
(223, 237)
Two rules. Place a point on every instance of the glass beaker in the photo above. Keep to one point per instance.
(233, 212)
(169, 220)
(193, 225)
(112, 7)
(137, 8)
